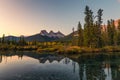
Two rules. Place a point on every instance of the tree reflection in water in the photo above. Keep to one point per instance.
(99, 67)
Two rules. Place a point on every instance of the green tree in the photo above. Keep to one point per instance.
(105, 39)
(115, 38)
(22, 41)
(80, 35)
(3, 38)
(118, 27)
(118, 33)
(114, 32)
(87, 27)
(98, 30)
(111, 31)
(74, 38)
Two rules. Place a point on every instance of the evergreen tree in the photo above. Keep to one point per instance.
(115, 38)
(80, 35)
(111, 31)
(3, 38)
(118, 27)
(92, 31)
(86, 25)
(22, 41)
(73, 37)
(98, 30)
(89, 29)
(118, 33)
(0, 40)
(95, 35)
(87, 34)
(114, 32)
(105, 39)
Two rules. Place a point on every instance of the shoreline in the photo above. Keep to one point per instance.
(63, 49)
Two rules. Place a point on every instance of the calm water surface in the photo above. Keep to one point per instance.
(34, 66)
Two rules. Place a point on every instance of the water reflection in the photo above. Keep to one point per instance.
(34, 66)
(99, 67)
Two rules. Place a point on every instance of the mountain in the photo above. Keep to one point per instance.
(44, 33)
(39, 37)
(69, 37)
(42, 36)
(60, 35)
(12, 38)
(52, 34)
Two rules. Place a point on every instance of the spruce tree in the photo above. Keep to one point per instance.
(98, 30)
(22, 41)
(80, 35)
(105, 39)
(3, 38)
(118, 33)
(111, 30)
(87, 27)
(114, 32)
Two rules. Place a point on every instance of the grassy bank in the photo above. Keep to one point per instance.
(60, 49)
(79, 50)
(96, 50)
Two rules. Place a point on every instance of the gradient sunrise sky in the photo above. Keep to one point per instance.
(27, 17)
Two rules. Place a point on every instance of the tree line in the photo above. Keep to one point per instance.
(20, 42)
(92, 34)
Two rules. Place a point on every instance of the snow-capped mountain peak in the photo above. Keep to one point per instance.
(52, 34)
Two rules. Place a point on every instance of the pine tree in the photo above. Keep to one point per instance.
(3, 38)
(118, 33)
(87, 27)
(98, 30)
(105, 39)
(80, 35)
(22, 41)
(91, 29)
(118, 27)
(114, 32)
(111, 31)
(73, 37)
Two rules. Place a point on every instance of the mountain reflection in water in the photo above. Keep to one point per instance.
(34, 66)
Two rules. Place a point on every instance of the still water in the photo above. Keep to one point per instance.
(34, 66)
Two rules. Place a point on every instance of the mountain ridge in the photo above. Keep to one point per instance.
(52, 34)
(42, 36)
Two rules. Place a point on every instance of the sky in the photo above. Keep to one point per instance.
(28, 17)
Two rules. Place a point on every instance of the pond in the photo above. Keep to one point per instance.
(34, 66)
